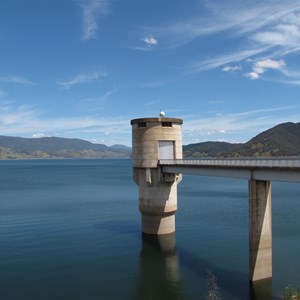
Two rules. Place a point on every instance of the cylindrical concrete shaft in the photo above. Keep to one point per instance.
(154, 139)
(147, 133)
(157, 202)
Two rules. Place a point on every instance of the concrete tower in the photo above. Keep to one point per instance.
(154, 139)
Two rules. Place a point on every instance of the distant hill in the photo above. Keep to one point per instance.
(209, 149)
(281, 140)
(54, 147)
(118, 146)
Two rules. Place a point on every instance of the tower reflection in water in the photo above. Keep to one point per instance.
(159, 268)
(160, 278)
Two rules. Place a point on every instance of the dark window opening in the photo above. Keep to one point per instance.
(166, 124)
(143, 124)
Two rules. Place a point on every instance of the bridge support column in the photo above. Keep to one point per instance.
(260, 230)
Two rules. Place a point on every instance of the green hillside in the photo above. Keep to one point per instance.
(281, 140)
(53, 147)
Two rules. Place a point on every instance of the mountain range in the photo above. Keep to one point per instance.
(281, 140)
(54, 147)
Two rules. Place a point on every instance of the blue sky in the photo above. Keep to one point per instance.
(84, 69)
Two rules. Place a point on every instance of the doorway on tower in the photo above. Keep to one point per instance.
(166, 149)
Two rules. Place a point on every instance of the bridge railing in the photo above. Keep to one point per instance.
(235, 162)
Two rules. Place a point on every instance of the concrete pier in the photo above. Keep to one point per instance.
(260, 230)
(157, 167)
(154, 139)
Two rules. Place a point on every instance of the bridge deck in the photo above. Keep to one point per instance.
(278, 169)
(236, 162)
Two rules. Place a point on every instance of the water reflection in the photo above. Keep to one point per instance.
(261, 290)
(159, 268)
(160, 277)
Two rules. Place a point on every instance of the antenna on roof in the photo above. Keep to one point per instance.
(162, 114)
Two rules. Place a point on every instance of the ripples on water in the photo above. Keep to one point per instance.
(70, 229)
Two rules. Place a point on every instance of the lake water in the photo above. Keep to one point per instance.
(70, 229)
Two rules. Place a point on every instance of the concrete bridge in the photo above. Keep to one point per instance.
(157, 168)
(272, 169)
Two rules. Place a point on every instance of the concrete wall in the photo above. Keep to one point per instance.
(145, 140)
(157, 191)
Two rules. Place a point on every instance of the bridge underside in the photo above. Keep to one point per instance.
(259, 199)
(271, 174)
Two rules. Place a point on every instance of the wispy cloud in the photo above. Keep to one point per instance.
(11, 115)
(285, 34)
(16, 79)
(91, 11)
(95, 103)
(81, 79)
(24, 120)
(238, 127)
(237, 18)
(231, 68)
(223, 60)
(152, 102)
(258, 30)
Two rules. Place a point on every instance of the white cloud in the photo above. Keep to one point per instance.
(39, 135)
(149, 44)
(252, 75)
(231, 68)
(81, 79)
(16, 79)
(261, 66)
(91, 11)
(150, 40)
(239, 126)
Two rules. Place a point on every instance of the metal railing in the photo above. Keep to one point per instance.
(289, 163)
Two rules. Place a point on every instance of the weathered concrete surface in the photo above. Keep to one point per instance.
(145, 140)
(157, 191)
(260, 230)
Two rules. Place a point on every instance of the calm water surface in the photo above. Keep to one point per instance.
(70, 229)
